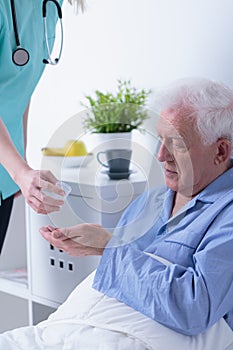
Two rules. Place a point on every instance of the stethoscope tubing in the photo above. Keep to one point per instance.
(50, 60)
(59, 11)
(14, 20)
(20, 56)
(57, 5)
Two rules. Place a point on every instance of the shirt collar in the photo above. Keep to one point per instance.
(218, 188)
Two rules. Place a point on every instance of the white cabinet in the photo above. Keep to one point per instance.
(16, 302)
(51, 273)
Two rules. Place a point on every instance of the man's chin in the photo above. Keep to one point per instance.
(186, 191)
(173, 185)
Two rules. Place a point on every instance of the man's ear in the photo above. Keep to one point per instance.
(223, 153)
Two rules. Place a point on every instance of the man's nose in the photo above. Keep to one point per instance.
(163, 153)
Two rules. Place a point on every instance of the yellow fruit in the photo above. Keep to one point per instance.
(52, 151)
(74, 148)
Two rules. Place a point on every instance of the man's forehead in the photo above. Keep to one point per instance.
(171, 116)
(168, 122)
(172, 122)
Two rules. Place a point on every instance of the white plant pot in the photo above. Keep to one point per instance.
(97, 142)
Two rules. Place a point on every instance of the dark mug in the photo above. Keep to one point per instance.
(116, 160)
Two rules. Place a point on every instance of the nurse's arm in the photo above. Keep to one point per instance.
(30, 181)
(9, 156)
(25, 126)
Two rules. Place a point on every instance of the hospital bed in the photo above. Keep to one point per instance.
(89, 320)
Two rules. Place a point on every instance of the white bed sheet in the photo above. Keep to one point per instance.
(88, 320)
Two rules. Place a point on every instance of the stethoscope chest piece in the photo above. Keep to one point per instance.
(20, 56)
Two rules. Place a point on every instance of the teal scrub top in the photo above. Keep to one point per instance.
(18, 83)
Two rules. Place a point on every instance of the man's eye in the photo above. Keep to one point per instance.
(179, 146)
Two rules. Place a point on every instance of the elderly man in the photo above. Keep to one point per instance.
(195, 227)
(170, 257)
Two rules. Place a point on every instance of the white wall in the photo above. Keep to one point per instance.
(151, 42)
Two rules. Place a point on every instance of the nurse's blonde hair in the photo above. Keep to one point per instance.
(79, 4)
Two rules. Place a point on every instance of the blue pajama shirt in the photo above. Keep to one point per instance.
(196, 289)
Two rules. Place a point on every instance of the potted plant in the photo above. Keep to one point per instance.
(115, 115)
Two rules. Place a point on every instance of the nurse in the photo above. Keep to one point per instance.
(25, 49)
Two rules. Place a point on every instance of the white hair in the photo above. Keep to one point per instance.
(208, 102)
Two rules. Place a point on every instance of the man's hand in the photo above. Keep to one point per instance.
(79, 240)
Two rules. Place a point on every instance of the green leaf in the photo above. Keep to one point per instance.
(119, 112)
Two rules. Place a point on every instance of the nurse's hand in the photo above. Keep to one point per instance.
(18, 194)
(32, 183)
(79, 240)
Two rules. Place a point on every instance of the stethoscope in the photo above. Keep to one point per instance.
(21, 56)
